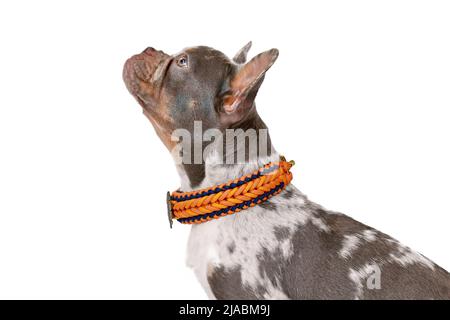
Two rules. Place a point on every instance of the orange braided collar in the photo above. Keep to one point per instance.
(233, 196)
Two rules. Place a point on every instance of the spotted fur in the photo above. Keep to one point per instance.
(295, 249)
(289, 247)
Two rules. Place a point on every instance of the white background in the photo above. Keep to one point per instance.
(359, 97)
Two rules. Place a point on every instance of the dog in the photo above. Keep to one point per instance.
(286, 247)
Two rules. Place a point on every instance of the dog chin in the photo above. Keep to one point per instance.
(145, 103)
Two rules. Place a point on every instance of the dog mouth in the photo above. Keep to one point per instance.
(143, 73)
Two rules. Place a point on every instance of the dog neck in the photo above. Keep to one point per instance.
(216, 167)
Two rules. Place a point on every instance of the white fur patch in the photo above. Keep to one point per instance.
(350, 243)
(353, 241)
(405, 256)
(369, 235)
(287, 248)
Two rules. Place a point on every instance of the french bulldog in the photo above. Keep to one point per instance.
(287, 247)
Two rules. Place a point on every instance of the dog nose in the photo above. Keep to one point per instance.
(150, 51)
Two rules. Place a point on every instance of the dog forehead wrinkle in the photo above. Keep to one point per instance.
(207, 53)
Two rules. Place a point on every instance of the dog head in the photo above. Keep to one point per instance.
(196, 84)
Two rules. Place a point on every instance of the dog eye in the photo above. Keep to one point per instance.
(182, 61)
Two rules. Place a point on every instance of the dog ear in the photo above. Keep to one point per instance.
(244, 86)
(241, 56)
